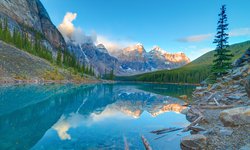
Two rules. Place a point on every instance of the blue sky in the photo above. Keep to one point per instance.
(174, 25)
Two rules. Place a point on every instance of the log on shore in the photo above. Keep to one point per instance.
(193, 124)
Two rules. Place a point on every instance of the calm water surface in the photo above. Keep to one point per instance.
(101, 116)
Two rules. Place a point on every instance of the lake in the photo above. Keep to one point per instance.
(100, 116)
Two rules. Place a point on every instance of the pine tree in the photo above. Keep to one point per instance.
(223, 54)
(111, 75)
(1, 30)
(59, 58)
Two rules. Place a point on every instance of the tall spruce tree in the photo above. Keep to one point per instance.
(223, 54)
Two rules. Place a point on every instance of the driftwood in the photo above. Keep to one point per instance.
(217, 107)
(192, 124)
(216, 102)
(145, 143)
(166, 130)
(211, 96)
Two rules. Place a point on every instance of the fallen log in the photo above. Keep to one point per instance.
(145, 143)
(192, 124)
(217, 107)
(216, 102)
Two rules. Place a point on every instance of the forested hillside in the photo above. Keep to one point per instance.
(194, 72)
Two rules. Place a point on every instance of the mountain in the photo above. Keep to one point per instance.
(128, 61)
(134, 59)
(95, 56)
(29, 16)
(160, 59)
(194, 72)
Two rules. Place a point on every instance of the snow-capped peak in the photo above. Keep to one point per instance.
(139, 44)
(158, 49)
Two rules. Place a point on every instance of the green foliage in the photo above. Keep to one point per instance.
(194, 72)
(21, 40)
(109, 76)
(221, 63)
(59, 58)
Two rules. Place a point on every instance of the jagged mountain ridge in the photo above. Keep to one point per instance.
(128, 61)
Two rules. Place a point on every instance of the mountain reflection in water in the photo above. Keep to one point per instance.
(85, 117)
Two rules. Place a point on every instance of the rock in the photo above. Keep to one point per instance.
(31, 14)
(184, 111)
(226, 132)
(247, 85)
(235, 116)
(194, 142)
(185, 97)
(234, 97)
(237, 76)
(246, 147)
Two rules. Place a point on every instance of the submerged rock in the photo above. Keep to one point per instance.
(235, 116)
(194, 142)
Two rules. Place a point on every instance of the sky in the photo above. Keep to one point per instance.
(174, 25)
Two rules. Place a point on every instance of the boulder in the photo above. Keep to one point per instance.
(194, 142)
(235, 116)
(247, 85)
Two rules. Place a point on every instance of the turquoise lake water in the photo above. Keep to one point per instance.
(101, 116)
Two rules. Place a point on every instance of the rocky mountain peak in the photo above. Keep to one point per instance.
(101, 46)
(31, 16)
(135, 48)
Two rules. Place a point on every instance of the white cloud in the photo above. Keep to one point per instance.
(196, 38)
(113, 45)
(67, 27)
(239, 32)
(202, 37)
(76, 34)
(70, 32)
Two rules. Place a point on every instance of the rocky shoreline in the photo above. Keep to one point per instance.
(224, 108)
(12, 81)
